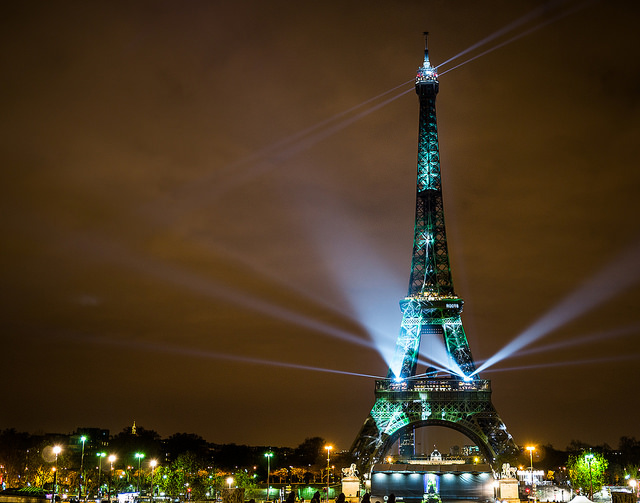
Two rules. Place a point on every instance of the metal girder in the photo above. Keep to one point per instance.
(419, 314)
(430, 269)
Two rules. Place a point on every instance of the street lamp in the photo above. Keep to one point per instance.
(152, 464)
(56, 450)
(112, 459)
(531, 448)
(139, 457)
(100, 456)
(83, 439)
(328, 448)
(229, 481)
(589, 458)
(268, 455)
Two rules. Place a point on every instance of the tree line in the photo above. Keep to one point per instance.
(588, 467)
(185, 464)
(137, 459)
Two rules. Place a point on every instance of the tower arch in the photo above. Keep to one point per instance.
(470, 433)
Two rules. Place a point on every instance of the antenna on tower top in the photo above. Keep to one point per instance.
(427, 73)
(426, 63)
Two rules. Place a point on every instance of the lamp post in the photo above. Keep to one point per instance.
(100, 456)
(531, 448)
(83, 439)
(112, 458)
(229, 481)
(328, 448)
(589, 458)
(268, 455)
(139, 457)
(152, 464)
(56, 450)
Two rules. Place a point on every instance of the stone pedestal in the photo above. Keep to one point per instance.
(507, 491)
(351, 489)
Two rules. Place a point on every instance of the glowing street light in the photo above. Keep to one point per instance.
(56, 450)
(531, 448)
(229, 481)
(152, 464)
(111, 459)
(589, 458)
(139, 456)
(83, 439)
(268, 455)
(328, 448)
(100, 456)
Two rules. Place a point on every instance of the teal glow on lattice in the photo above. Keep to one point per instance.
(389, 416)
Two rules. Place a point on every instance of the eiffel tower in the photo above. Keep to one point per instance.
(453, 396)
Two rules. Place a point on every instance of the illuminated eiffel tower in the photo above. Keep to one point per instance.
(455, 397)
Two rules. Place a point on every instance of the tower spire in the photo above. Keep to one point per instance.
(426, 49)
(427, 73)
(431, 305)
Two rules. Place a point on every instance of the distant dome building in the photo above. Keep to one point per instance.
(435, 455)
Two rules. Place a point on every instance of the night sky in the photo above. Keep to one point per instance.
(196, 221)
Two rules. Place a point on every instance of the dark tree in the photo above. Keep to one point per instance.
(309, 452)
(126, 444)
(13, 455)
(181, 443)
(629, 449)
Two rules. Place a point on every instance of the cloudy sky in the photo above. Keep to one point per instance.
(207, 211)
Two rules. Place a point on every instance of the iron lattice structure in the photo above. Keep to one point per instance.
(459, 400)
